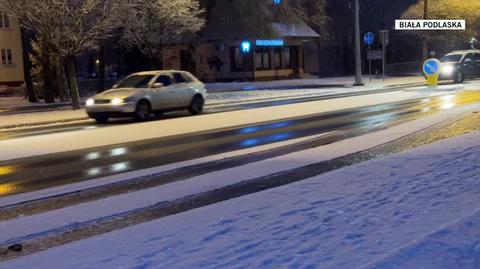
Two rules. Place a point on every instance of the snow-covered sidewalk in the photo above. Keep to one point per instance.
(418, 209)
(347, 81)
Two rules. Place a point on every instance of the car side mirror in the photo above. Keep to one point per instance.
(158, 85)
(468, 61)
(115, 86)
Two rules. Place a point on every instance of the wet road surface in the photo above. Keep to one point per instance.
(29, 174)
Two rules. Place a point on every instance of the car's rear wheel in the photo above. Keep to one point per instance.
(101, 119)
(459, 78)
(196, 106)
(143, 111)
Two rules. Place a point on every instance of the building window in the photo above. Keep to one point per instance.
(4, 20)
(239, 62)
(7, 58)
(262, 58)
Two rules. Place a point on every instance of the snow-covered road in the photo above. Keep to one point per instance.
(396, 212)
(39, 145)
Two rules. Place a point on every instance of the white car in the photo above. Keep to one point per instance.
(142, 94)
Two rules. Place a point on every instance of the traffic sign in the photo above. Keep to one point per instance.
(431, 67)
(369, 38)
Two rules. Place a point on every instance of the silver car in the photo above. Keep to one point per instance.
(142, 94)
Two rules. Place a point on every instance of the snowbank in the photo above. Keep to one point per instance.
(407, 209)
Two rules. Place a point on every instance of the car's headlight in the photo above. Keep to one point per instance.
(90, 102)
(448, 69)
(116, 101)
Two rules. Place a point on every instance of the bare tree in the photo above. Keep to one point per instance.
(69, 27)
(153, 26)
(447, 9)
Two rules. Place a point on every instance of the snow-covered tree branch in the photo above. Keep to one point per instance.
(152, 26)
(68, 27)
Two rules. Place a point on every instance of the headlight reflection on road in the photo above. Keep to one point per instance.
(448, 105)
(5, 170)
(94, 171)
(118, 151)
(92, 156)
(119, 167)
(7, 188)
(448, 102)
(447, 97)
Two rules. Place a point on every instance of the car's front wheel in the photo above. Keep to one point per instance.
(459, 78)
(196, 106)
(143, 111)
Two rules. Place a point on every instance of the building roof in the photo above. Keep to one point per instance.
(297, 30)
(277, 30)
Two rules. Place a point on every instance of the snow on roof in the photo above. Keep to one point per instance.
(299, 29)
(293, 30)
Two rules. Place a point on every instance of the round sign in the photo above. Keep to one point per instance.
(431, 67)
(369, 38)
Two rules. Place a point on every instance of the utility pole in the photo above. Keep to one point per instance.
(425, 37)
(358, 52)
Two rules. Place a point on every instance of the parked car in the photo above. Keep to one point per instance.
(142, 94)
(460, 65)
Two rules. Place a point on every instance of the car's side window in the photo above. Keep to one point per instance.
(476, 57)
(165, 79)
(179, 78)
(188, 77)
(468, 57)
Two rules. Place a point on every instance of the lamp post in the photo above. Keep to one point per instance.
(358, 52)
(425, 37)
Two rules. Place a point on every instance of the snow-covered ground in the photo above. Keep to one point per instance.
(418, 209)
(58, 220)
(38, 145)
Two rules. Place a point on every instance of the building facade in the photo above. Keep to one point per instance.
(11, 54)
(291, 52)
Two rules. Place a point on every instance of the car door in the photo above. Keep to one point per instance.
(468, 65)
(183, 89)
(164, 97)
(476, 62)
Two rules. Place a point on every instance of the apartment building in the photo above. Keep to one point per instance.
(11, 58)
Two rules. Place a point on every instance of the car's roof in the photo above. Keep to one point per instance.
(155, 72)
(461, 52)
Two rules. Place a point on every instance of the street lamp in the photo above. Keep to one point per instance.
(358, 52)
(425, 37)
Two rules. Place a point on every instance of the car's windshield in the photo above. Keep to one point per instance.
(451, 58)
(135, 81)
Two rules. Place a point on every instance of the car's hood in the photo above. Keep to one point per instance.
(449, 63)
(118, 93)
